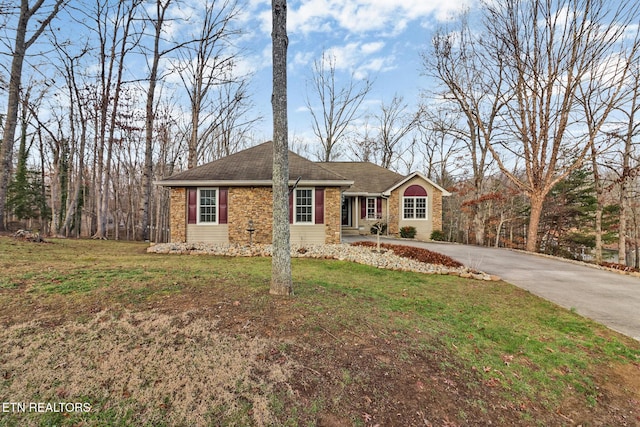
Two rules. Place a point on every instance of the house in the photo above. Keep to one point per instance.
(230, 200)
(379, 194)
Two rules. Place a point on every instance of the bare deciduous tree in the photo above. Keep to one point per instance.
(394, 122)
(233, 122)
(157, 22)
(626, 135)
(75, 112)
(338, 106)
(622, 98)
(439, 141)
(25, 37)
(281, 283)
(208, 64)
(117, 39)
(475, 87)
(548, 50)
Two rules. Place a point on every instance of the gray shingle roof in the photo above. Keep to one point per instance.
(368, 178)
(254, 164)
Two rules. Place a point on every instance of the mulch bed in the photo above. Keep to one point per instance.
(418, 254)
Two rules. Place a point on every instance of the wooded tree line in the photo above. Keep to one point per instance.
(530, 121)
(100, 105)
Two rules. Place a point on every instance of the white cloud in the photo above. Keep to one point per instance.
(357, 58)
(369, 48)
(303, 59)
(362, 16)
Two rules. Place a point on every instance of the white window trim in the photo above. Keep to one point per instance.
(216, 222)
(313, 206)
(415, 208)
(375, 208)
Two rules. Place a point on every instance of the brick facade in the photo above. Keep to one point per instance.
(394, 212)
(178, 214)
(436, 203)
(332, 214)
(255, 203)
(250, 203)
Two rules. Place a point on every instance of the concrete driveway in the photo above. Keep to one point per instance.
(609, 298)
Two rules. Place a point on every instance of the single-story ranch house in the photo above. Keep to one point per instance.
(221, 201)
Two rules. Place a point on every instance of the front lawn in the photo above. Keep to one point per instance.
(145, 339)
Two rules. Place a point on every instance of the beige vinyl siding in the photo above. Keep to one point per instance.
(307, 234)
(216, 234)
(423, 226)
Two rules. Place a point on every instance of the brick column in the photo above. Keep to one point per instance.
(436, 201)
(178, 215)
(332, 214)
(394, 212)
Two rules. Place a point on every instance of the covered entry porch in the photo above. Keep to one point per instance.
(359, 213)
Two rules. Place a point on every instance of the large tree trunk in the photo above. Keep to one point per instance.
(6, 146)
(622, 225)
(478, 227)
(536, 200)
(147, 171)
(281, 257)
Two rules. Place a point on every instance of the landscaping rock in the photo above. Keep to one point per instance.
(359, 254)
(28, 236)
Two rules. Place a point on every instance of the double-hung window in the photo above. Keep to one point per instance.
(414, 204)
(304, 206)
(208, 206)
(372, 211)
(415, 208)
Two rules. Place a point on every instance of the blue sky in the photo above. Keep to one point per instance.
(378, 39)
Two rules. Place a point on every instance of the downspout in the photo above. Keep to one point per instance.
(382, 196)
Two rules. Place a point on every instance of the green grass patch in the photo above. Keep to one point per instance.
(490, 334)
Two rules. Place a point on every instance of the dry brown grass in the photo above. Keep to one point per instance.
(153, 340)
(166, 369)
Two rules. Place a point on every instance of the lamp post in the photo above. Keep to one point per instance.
(251, 229)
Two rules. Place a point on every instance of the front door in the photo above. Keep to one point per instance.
(346, 211)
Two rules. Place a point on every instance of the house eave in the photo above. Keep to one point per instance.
(362, 194)
(411, 176)
(250, 183)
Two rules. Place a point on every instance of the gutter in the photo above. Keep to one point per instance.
(249, 183)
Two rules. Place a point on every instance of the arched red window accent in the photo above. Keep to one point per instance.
(415, 191)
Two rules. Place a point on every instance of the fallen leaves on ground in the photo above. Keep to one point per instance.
(418, 254)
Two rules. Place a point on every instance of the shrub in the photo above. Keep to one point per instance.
(438, 236)
(408, 232)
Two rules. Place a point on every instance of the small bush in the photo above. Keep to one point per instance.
(438, 236)
(408, 232)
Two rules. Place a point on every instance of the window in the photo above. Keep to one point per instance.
(415, 208)
(414, 205)
(371, 208)
(207, 206)
(304, 206)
